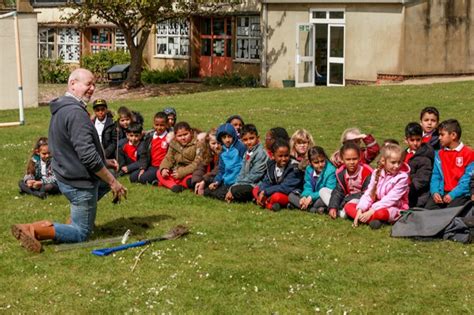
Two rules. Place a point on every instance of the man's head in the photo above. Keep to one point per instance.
(413, 135)
(81, 84)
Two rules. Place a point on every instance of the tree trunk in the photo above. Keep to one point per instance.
(136, 59)
(135, 71)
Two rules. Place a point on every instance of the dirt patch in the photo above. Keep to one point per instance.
(47, 92)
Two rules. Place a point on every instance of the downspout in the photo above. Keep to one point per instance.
(263, 66)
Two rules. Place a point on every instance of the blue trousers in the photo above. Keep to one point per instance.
(83, 212)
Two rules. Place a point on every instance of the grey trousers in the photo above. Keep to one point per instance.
(321, 202)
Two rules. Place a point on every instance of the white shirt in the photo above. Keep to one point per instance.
(458, 148)
(278, 172)
(99, 126)
(44, 171)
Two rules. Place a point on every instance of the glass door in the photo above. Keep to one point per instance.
(336, 45)
(304, 67)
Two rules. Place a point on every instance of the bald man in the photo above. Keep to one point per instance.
(79, 165)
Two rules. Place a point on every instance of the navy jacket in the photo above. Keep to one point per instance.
(421, 167)
(290, 181)
(124, 160)
(109, 137)
(74, 143)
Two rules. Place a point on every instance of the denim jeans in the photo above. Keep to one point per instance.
(83, 211)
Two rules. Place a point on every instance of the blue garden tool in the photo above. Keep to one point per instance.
(174, 233)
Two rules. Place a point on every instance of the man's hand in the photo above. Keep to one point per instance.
(112, 163)
(118, 190)
(437, 198)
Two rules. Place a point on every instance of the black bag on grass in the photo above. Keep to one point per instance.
(447, 224)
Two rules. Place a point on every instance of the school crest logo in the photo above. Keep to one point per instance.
(164, 145)
(459, 161)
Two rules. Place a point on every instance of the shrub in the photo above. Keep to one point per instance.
(100, 62)
(163, 76)
(233, 80)
(52, 71)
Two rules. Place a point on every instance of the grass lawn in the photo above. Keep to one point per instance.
(239, 258)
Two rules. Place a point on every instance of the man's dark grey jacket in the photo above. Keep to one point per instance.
(74, 143)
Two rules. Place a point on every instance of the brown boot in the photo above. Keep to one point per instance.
(29, 235)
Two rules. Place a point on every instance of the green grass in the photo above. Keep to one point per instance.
(239, 258)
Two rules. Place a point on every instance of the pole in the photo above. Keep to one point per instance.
(19, 70)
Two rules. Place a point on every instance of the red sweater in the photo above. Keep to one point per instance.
(130, 151)
(159, 147)
(453, 164)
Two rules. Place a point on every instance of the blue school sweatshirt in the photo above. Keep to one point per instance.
(327, 178)
(230, 159)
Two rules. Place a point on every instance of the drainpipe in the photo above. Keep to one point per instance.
(263, 66)
(18, 63)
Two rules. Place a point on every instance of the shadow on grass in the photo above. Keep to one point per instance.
(137, 225)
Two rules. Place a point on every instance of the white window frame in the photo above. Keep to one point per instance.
(167, 36)
(327, 20)
(47, 43)
(58, 32)
(249, 37)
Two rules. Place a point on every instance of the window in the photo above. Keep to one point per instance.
(69, 40)
(120, 43)
(101, 39)
(46, 43)
(327, 16)
(172, 38)
(248, 38)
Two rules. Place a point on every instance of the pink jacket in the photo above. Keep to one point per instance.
(392, 193)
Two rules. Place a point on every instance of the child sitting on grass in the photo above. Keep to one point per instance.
(171, 116)
(319, 182)
(154, 149)
(129, 152)
(237, 122)
(352, 177)
(429, 120)
(207, 169)
(39, 180)
(300, 143)
(230, 162)
(387, 193)
(254, 166)
(419, 156)
(368, 153)
(184, 155)
(281, 179)
(449, 187)
(125, 117)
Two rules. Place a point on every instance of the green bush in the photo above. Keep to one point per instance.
(53, 71)
(100, 62)
(163, 76)
(233, 80)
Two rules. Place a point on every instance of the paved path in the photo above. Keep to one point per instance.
(429, 80)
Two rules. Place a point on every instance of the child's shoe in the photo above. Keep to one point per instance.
(177, 188)
(375, 224)
(342, 214)
(276, 207)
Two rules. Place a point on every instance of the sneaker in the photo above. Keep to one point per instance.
(342, 214)
(276, 207)
(177, 189)
(375, 224)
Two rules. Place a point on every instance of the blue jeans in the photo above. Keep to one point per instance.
(83, 211)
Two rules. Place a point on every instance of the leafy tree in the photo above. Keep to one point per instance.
(136, 19)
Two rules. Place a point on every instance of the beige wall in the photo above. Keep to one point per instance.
(28, 29)
(373, 40)
(439, 37)
(373, 37)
